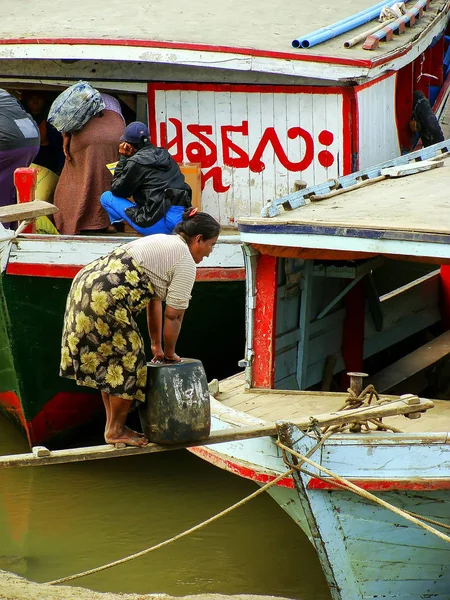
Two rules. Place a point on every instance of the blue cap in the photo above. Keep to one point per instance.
(134, 132)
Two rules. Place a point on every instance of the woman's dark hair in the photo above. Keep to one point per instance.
(198, 223)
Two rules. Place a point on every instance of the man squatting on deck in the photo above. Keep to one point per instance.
(102, 347)
(152, 177)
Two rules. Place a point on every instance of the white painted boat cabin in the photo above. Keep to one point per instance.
(222, 85)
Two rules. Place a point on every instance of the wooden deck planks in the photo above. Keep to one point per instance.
(392, 205)
(275, 405)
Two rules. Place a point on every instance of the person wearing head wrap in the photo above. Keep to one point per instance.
(85, 176)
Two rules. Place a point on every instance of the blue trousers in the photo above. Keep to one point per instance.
(115, 207)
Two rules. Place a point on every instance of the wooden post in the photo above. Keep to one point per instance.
(353, 333)
(263, 371)
(25, 179)
(305, 320)
(444, 294)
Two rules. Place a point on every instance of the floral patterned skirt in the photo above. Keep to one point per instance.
(102, 347)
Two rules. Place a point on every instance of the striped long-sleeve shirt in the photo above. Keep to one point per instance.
(169, 265)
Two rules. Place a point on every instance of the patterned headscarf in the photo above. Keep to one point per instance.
(112, 103)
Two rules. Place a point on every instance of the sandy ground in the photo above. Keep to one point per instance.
(13, 587)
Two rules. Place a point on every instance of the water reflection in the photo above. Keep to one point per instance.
(59, 520)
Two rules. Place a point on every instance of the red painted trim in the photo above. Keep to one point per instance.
(444, 294)
(11, 404)
(355, 133)
(43, 270)
(350, 130)
(151, 99)
(248, 88)
(442, 93)
(62, 413)
(69, 271)
(369, 84)
(237, 468)
(333, 60)
(263, 371)
(385, 485)
(220, 274)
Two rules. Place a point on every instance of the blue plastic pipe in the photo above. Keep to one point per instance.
(327, 33)
(305, 42)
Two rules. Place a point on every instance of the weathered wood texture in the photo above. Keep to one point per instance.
(372, 552)
(27, 210)
(390, 205)
(272, 405)
(416, 361)
(236, 24)
(41, 457)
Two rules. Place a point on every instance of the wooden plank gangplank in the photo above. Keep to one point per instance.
(413, 363)
(408, 405)
(25, 211)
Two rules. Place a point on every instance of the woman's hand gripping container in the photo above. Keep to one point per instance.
(177, 408)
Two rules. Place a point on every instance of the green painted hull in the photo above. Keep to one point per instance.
(31, 317)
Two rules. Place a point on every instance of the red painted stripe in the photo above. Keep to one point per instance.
(247, 88)
(217, 459)
(263, 372)
(369, 84)
(350, 131)
(220, 274)
(151, 103)
(386, 485)
(306, 57)
(442, 93)
(69, 271)
(11, 404)
(43, 270)
(63, 413)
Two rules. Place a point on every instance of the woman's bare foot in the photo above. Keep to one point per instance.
(128, 437)
(130, 431)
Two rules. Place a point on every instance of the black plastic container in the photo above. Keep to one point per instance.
(177, 408)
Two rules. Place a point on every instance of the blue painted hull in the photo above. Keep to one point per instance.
(366, 550)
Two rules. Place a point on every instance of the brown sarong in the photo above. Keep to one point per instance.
(84, 179)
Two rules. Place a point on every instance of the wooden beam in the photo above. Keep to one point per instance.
(25, 211)
(412, 363)
(304, 324)
(408, 405)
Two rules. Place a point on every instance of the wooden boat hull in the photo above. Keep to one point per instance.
(48, 408)
(366, 551)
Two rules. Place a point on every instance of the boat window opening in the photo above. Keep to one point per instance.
(37, 100)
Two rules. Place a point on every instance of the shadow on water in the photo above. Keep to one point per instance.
(59, 520)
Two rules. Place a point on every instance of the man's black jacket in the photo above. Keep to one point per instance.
(146, 176)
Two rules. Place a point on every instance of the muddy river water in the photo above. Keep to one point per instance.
(63, 519)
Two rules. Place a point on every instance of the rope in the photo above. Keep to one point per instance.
(344, 487)
(363, 493)
(365, 398)
(192, 529)
(176, 537)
